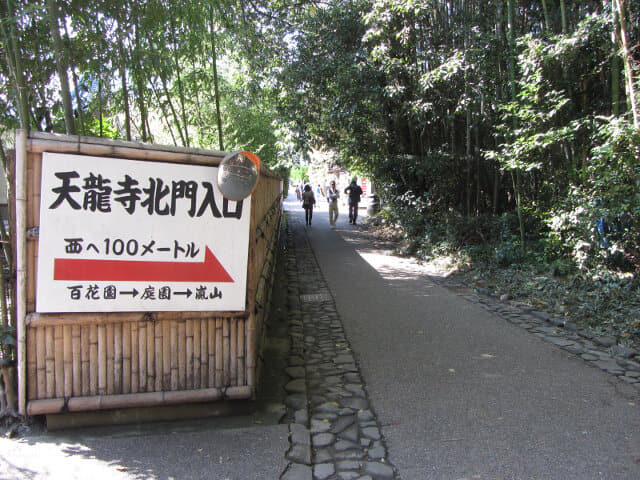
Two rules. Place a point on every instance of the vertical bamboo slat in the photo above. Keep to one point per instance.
(211, 346)
(76, 360)
(173, 354)
(218, 353)
(225, 352)
(204, 353)
(233, 355)
(197, 351)
(241, 352)
(151, 356)
(102, 359)
(58, 359)
(182, 357)
(41, 362)
(125, 383)
(142, 329)
(32, 365)
(189, 354)
(135, 357)
(67, 352)
(110, 348)
(117, 358)
(85, 359)
(159, 360)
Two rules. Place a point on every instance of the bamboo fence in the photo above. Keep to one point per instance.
(71, 362)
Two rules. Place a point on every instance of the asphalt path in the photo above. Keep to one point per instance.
(461, 393)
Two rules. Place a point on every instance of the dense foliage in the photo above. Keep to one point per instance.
(507, 127)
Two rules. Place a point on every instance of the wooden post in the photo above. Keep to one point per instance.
(21, 265)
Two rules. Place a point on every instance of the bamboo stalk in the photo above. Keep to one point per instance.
(21, 265)
(76, 360)
(188, 379)
(41, 363)
(85, 342)
(241, 352)
(52, 319)
(159, 360)
(58, 361)
(50, 362)
(233, 349)
(174, 356)
(182, 356)
(225, 352)
(219, 352)
(125, 375)
(151, 356)
(211, 344)
(67, 352)
(166, 356)
(102, 359)
(110, 358)
(204, 354)
(144, 329)
(94, 360)
(133, 400)
(32, 365)
(134, 332)
(196, 326)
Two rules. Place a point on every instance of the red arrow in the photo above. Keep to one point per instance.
(211, 270)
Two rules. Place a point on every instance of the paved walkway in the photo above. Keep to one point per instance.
(407, 379)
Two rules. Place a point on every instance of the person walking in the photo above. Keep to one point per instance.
(332, 198)
(299, 192)
(354, 191)
(308, 201)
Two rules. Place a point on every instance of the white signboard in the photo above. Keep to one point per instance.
(120, 235)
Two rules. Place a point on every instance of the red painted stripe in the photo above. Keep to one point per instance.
(211, 270)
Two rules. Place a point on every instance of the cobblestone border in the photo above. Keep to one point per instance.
(334, 434)
(600, 352)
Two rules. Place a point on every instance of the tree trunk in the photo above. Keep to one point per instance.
(125, 92)
(623, 43)
(14, 61)
(214, 61)
(61, 67)
(517, 184)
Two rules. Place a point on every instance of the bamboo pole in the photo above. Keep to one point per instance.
(189, 355)
(211, 348)
(159, 361)
(204, 354)
(182, 356)
(110, 352)
(52, 319)
(50, 378)
(143, 330)
(125, 382)
(151, 356)
(219, 352)
(174, 356)
(67, 352)
(241, 353)
(85, 342)
(21, 265)
(134, 332)
(32, 365)
(197, 352)
(41, 365)
(102, 359)
(233, 352)
(94, 360)
(76, 360)
(132, 400)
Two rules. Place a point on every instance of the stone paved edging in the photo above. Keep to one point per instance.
(334, 434)
(601, 352)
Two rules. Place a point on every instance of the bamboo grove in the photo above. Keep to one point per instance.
(508, 123)
(484, 122)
